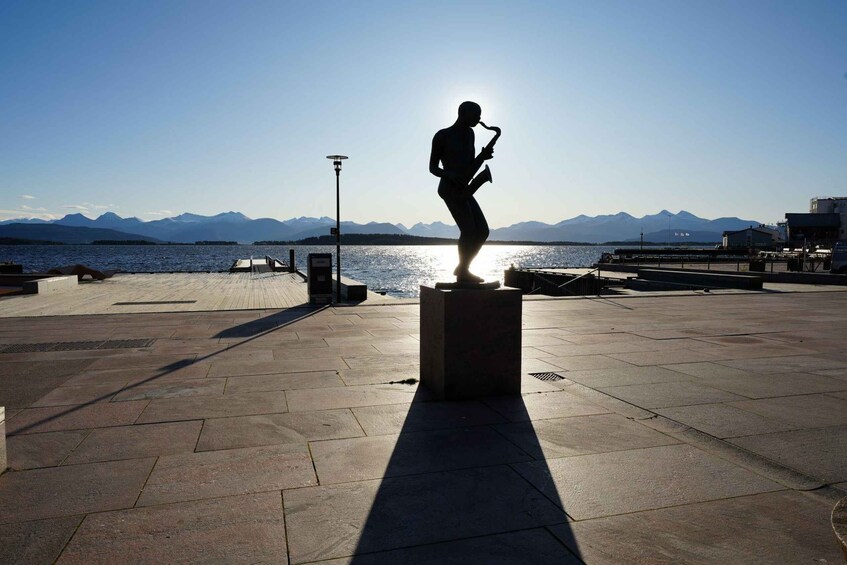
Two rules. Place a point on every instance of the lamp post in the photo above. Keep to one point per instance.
(336, 163)
(669, 230)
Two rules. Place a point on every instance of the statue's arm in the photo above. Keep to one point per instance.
(435, 156)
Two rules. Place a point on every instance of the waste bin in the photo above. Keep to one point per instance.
(319, 273)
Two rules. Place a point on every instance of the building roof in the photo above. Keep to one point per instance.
(766, 232)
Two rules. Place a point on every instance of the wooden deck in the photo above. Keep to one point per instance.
(169, 292)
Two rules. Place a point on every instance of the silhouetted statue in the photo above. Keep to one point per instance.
(454, 148)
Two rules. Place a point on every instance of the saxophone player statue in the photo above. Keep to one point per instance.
(453, 147)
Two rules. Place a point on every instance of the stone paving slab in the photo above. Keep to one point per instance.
(724, 421)
(834, 373)
(499, 549)
(156, 389)
(75, 489)
(24, 382)
(625, 376)
(664, 357)
(410, 453)
(238, 367)
(807, 411)
(821, 452)
(350, 397)
(590, 486)
(30, 451)
(757, 385)
(200, 407)
(274, 429)
(750, 529)
(381, 375)
(678, 393)
(394, 418)
(69, 395)
(58, 418)
(137, 359)
(236, 529)
(334, 521)
(132, 442)
(580, 435)
(585, 362)
(288, 381)
(542, 406)
(131, 375)
(38, 541)
(792, 364)
(178, 478)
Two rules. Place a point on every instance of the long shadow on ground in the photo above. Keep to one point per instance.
(249, 331)
(449, 493)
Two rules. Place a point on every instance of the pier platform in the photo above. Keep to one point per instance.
(685, 428)
(170, 292)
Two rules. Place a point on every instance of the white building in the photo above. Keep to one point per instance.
(832, 205)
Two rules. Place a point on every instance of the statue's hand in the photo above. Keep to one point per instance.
(487, 153)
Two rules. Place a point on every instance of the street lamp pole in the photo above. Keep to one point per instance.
(669, 230)
(336, 163)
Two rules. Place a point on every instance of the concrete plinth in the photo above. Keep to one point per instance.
(471, 342)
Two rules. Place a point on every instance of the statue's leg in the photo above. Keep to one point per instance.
(480, 228)
(463, 215)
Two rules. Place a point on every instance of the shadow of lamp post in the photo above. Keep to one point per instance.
(336, 163)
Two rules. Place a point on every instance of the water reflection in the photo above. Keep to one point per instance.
(398, 270)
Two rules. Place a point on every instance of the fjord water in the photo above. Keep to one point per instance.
(398, 270)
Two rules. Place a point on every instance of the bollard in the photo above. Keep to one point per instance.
(291, 266)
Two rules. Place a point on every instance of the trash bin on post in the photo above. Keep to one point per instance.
(319, 272)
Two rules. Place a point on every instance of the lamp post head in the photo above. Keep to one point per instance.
(336, 161)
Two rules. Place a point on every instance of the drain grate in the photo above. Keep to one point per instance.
(154, 302)
(547, 376)
(127, 343)
(76, 345)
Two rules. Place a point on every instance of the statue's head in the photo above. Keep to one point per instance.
(469, 113)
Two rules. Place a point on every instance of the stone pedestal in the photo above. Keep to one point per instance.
(471, 342)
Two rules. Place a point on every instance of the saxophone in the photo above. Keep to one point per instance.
(485, 175)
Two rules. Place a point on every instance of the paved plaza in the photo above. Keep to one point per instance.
(687, 428)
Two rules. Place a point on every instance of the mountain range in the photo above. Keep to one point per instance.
(235, 226)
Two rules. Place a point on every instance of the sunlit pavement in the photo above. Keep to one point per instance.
(695, 428)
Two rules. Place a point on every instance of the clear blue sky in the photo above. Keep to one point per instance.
(721, 108)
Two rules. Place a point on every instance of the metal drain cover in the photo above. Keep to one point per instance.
(76, 345)
(547, 376)
(154, 302)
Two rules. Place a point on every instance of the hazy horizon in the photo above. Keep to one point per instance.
(147, 108)
(449, 222)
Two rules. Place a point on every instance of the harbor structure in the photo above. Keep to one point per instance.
(822, 226)
(751, 238)
(832, 205)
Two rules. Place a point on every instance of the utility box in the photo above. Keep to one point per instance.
(319, 273)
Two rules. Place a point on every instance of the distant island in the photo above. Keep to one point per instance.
(403, 239)
(19, 241)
